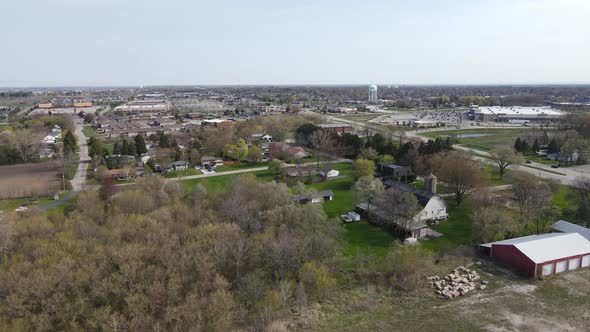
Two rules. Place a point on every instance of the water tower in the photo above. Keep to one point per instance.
(372, 94)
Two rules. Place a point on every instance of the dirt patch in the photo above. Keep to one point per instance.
(26, 180)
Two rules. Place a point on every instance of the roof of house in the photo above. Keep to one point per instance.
(423, 196)
(179, 163)
(324, 193)
(410, 224)
(567, 227)
(547, 247)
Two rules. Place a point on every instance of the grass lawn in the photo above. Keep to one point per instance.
(367, 239)
(568, 205)
(239, 166)
(88, 131)
(540, 160)
(456, 229)
(11, 204)
(110, 147)
(496, 138)
(220, 184)
(190, 171)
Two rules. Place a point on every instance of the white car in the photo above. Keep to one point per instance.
(346, 218)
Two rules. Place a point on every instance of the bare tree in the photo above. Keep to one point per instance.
(366, 189)
(323, 144)
(491, 223)
(532, 197)
(504, 158)
(397, 208)
(461, 174)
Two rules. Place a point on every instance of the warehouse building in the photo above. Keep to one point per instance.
(514, 114)
(542, 255)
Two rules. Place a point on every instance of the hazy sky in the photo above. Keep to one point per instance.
(133, 42)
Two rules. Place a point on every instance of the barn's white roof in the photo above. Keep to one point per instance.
(548, 247)
(567, 227)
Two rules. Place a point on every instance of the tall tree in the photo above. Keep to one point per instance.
(398, 209)
(140, 144)
(461, 174)
(362, 167)
(504, 158)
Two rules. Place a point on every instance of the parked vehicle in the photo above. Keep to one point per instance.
(350, 217)
(554, 166)
(345, 218)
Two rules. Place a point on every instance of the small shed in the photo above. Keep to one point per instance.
(542, 255)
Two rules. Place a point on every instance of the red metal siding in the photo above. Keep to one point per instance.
(510, 255)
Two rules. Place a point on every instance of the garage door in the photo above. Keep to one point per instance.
(560, 267)
(586, 261)
(547, 269)
(574, 264)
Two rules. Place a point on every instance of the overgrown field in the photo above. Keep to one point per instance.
(26, 180)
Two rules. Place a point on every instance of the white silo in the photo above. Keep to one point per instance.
(372, 94)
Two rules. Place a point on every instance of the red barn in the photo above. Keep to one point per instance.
(543, 255)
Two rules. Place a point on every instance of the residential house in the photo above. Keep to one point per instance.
(392, 170)
(434, 209)
(180, 165)
(317, 197)
(285, 151)
(211, 161)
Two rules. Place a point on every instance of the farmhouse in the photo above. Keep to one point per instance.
(563, 226)
(434, 207)
(317, 197)
(542, 255)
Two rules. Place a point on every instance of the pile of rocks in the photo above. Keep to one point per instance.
(457, 283)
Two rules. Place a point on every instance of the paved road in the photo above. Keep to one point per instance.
(79, 179)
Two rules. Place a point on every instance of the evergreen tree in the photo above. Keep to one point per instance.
(164, 141)
(518, 145)
(125, 147)
(70, 142)
(524, 146)
(553, 147)
(536, 146)
(117, 148)
(140, 144)
(131, 149)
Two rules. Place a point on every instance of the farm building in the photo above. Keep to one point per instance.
(563, 226)
(542, 255)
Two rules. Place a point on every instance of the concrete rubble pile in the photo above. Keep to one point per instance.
(457, 283)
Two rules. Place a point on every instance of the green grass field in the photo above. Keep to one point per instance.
(366, 239)
(239, 166)
(11, 204)
(456, 229)
(220, 184)
(497, 137)
(188, 172)
(88, 131)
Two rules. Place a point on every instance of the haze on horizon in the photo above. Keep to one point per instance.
(224, 42)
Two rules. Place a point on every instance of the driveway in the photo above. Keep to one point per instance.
(80, 178)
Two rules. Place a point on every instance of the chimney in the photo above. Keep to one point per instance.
(430, 182)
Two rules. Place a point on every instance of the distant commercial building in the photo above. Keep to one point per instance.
(335, 128)
(373, 94)
(515, 114)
